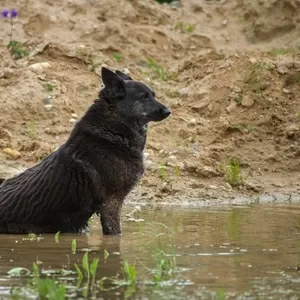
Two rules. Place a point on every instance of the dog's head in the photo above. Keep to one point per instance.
(131, 99)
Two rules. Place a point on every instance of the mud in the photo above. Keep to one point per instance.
(229, 70)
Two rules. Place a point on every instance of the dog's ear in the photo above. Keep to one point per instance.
(123, 75)
(114, 84)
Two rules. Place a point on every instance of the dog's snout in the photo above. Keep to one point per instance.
(165, 112)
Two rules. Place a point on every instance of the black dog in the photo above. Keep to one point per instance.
(92, 172)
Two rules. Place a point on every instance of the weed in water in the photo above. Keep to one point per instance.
(74, 246)
(220, 295)
(165, 268)
(89, 271)
(56, 237)
(129, 273)
(49, 289)
(106, 254)
(232, 170)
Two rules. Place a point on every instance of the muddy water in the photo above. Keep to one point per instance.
(238, 252)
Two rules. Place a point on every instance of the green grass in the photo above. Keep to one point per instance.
(31, 130)
(117, 57)
(274, 52)
(17, 49)
(94, 65)
(49, 87)
(184, 28)
(256, 77)
(232, 171)
(157, 69)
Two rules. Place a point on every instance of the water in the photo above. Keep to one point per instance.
(237, 252)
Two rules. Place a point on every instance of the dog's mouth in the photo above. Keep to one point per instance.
(159, 115)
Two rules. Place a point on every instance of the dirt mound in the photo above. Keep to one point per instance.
(229, 70)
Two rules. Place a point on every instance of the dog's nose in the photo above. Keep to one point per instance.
(165, 112)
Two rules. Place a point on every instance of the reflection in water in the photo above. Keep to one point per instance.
(242, 250)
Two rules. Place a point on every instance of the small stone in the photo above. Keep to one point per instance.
(172, 161)
(72, 120)
(224, 22)
(247, 101)
(237, 89)
(231, 107)
(74, 116)
(282, 70)
(184, 91)
(39, 67)
(12, 153)
(126, 71)
(47, 101)
(286, 91)
(193, 122)
(48, 106)
(252, 60)
(292, 130)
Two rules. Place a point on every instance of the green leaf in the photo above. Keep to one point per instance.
(35, 269)
(79, 273)
(74, 246)
(18, 272)
(93, 268)
(56, 237)
(85, 264)
(106, 254)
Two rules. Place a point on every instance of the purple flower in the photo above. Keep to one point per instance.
(13, 13)
(4, 13)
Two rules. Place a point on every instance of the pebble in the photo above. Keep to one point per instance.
(252, 60)
(48, 106)
(39, 67)
(72, 120)
(286, 91)
(74, 116)
(172, 161)
(12, 153)
(184, 91)
(193, 122)
(247, 101)
(225, 22)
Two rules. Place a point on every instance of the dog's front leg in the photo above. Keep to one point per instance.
(110, 213)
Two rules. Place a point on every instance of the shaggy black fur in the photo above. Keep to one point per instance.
(92, 172)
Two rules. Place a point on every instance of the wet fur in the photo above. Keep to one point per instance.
(91, 173)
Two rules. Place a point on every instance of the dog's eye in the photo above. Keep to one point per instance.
(145, 96)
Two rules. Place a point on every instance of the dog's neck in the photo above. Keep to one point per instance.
(101, 121)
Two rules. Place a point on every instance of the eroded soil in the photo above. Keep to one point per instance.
(229, 70)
